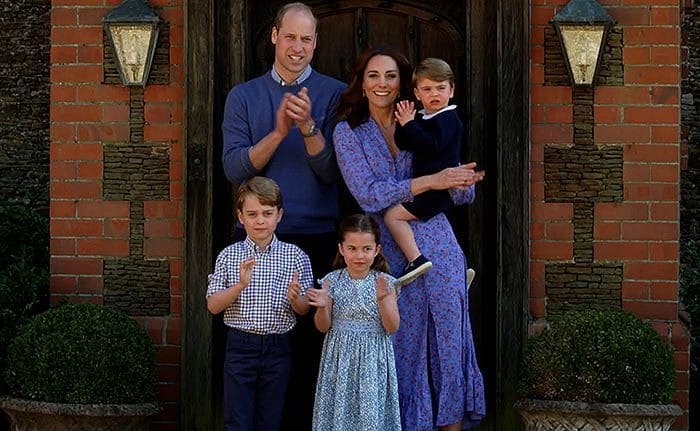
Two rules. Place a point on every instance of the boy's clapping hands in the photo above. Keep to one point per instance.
(246, 271)
(294, 288)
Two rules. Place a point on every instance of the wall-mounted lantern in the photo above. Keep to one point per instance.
(132, 29)
(582, 26)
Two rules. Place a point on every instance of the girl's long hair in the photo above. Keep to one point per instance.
(361, 223)
(353, 106)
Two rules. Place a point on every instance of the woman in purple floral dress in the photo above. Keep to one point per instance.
(440, 384)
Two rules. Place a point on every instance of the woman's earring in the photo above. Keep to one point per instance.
(363, 93)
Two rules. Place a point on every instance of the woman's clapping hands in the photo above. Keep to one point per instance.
(461, 177)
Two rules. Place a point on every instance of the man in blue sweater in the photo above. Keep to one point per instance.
(279, 125)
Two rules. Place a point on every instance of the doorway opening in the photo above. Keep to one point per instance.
(485, 41)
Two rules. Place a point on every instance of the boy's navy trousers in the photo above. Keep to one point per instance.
(256, 373)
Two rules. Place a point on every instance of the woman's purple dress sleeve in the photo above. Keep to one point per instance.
(374, 192)
(370, 178)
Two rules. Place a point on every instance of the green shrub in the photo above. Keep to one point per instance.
(82, 354)
(24, 270)
(598, 356)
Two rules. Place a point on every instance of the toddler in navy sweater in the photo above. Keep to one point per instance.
(434, 137)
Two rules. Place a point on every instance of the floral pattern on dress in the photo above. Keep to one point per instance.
(357, 386)
(439, 379)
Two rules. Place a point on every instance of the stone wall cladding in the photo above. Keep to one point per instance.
(690, 171)
(690, 118)
(135, 285)
(24, 102)
(137, 171)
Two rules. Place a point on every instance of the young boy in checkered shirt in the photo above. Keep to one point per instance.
(259, 283)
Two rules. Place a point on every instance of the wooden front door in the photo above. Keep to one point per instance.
(346, 28)
(485, 42)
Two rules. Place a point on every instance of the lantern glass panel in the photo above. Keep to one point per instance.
(131, 45)
(582, 45)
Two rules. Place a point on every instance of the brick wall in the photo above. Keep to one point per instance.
(116, 181)
(600, 240)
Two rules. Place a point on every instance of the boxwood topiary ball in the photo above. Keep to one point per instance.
(598, 357)
(82, 354)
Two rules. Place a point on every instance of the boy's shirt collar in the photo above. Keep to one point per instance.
(429, 116)
(254, 247)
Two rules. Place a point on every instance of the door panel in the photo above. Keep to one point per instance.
(442, 42)
(336, 44)
(383, 28)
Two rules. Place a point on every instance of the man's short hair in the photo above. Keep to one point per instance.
(266, 190)
(301, 7)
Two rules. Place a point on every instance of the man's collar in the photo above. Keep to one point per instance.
(301, 78)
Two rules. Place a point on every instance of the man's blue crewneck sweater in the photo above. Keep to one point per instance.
(308, 183)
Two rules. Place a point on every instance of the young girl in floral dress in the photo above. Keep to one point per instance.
(357, 308)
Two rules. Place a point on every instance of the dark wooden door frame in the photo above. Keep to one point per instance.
(499, 52)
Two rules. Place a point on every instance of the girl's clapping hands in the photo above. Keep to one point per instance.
(382, 290)
(319, 297)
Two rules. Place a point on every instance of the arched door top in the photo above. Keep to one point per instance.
(346, 28)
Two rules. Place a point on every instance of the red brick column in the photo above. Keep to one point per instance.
(87, 229)
(642, 114)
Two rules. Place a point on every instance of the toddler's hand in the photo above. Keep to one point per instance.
(246, 271)
(405, 112)
(319, 297)
(294, 288)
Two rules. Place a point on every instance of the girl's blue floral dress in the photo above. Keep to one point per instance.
(357, 388)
